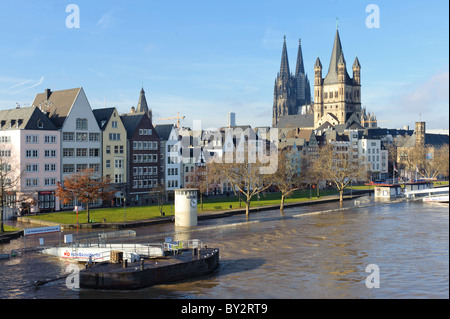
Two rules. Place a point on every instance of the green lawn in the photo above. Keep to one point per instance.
(120, 214)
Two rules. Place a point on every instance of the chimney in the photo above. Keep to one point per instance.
(133, 110)
(48, 92)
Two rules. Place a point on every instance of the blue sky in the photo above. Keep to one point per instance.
(207, 58)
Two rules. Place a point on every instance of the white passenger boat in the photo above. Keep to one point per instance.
(436, 199)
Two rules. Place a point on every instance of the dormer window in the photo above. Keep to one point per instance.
(40, 124)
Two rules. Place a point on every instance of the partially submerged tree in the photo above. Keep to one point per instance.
(9, 180)
(288, 177)
(339, 167)
(84, 187)
(246, 176)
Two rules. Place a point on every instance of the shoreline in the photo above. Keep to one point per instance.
(5, 238)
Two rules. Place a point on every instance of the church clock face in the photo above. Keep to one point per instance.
(193, 202)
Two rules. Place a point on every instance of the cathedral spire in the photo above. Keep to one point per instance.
(300, 67)
(284, 69)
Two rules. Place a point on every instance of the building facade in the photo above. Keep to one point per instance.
(144, 166)
(81, 146)
(114, 151)
(29, 161)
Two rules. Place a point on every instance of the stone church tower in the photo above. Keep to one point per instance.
(291, 91)
(337, 97)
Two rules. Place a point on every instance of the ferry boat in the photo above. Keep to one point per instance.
(436, 198)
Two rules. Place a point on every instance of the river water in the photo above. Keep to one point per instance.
(315, 251)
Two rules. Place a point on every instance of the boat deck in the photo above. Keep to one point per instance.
(182, 256)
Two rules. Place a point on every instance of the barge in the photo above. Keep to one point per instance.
(179, 265)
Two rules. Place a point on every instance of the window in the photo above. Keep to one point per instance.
(32, 168)
(82, 137)
(68, 152)
(32, 153)
(50, 153)
(51, 181)
(114, 124)
(68, 137)
(81, 152)
(108, 163)
(32, 182)
(118, 163)
(5, 153)
(94, 137)
(50, 167)
(94, 152)
(108, 149)
(50, 139)
(114, 136)
(118, 178)
(5, 139)
(95, 167)
(32, 139)
(118, 149)
(81, 167)
(82, 124)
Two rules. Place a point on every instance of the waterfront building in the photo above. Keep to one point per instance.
(170, 158)
(29, 161)
(143, 158)
(114, 151)
(71, 113)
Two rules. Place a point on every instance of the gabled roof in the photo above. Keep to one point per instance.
(164, 130)
(103, 115)
(28, 118)
(131, 122)
(58, 104)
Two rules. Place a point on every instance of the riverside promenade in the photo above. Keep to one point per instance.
(201, 215)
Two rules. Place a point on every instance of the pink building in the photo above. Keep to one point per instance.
(30, 161)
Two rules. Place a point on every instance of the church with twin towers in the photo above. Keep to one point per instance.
(336, 97)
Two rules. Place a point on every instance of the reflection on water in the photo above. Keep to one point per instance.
(281, 256)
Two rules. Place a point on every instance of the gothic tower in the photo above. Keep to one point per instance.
(337, 98)
(142, 106)
(291, 91)
(285, 96)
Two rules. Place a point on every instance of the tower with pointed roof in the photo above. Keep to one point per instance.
(337, 97)
(291, 91)
(142, 106)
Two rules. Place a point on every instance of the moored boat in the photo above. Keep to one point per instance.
(182, 264)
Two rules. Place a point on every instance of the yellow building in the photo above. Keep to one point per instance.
(114, 148)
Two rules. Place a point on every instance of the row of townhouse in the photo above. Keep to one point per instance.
(60, 135)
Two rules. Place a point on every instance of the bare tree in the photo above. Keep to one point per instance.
(244, 175)
(338, 167)
(9, 180)
(288, 176)
(199, 180)
(84, 187)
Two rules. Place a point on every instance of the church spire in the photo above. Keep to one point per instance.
(284, 69)
(142, 106)
(336, 55)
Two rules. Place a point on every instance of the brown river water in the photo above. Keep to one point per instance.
(312, 251)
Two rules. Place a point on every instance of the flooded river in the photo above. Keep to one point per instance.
(309, 252)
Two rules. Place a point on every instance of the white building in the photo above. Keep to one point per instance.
(370, 152)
